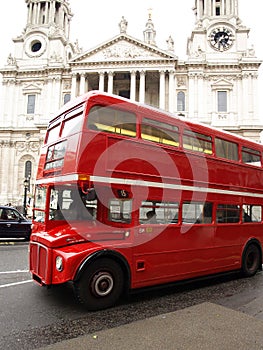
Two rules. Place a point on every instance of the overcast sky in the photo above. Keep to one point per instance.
(97, 21)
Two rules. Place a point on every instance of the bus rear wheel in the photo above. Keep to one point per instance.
(251, 260)
(100, 285)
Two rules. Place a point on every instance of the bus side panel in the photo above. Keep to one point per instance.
(174, 254)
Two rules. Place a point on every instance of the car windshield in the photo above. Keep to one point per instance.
(10, 214)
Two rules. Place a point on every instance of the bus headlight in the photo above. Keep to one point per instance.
(59, 263)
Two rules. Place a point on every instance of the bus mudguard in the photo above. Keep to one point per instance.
(114, 255)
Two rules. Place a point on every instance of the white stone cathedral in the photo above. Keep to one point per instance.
(215, 85)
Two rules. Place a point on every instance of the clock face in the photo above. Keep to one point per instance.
(221, 39)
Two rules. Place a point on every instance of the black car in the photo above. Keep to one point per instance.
(13, 224)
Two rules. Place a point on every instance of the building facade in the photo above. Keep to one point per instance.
(215, 85)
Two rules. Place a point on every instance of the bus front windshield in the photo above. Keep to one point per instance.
(71, 204)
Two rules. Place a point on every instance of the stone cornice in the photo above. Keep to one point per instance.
(130, 63)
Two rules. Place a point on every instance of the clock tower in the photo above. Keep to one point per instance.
(36, 81)
(46, 34)
(218, 29)
(223, 69)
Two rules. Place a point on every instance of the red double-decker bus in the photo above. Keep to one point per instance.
(128, 196)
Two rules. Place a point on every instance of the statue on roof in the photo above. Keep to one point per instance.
(123, 25)
(170, 43)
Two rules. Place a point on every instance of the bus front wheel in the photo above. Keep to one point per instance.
(100, 285)
(251, 260)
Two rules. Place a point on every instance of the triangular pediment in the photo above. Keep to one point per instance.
(123, 48)
(222, 84)
(31, 88)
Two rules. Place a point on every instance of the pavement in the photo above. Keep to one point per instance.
(205, 326)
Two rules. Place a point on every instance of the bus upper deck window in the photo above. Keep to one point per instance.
(160, 132)
(251, 156)
(73, 121)
(112, 120)
(226, 149)
(53, 134)
(197, 142)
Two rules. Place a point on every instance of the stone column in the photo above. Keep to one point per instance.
(133, 86)
(235, 10)
(52, 12)
(73, 85)
(38, 13)
(204, 8)
(82, 84)
(61, 17)
(245, 88)
(171, 91)
(57, 89)
(46, 12)
(213, 8)
(191, 95)
(49, 95)
(11, 96)
(223, 8)
(29, 14)
(162, 90)
(142, 87)
(200, 105)
(110, 82)
(208, 8)
(196, 94)
(34, 13)
(101, 81)
(254, 96)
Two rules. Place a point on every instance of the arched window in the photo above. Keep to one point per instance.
(28, 172)
(180, 101)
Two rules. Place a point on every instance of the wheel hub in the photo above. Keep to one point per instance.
(102, 284)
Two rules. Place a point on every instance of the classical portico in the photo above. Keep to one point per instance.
(146, 86)
(127, 67)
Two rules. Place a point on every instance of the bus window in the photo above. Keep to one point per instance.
(120, 210)
(112, 120)
(55, 155)
(197, 213)
(197, 142)
(226, 213)
(72, 121)
(251, 213)
(40, 202)
(53, 134)
(155, 131)
(226, 149)
(72, 125)
(70, 204)
(158, 212)
(251, 156)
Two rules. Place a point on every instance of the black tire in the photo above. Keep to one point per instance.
(101, 284)
(251, 260)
